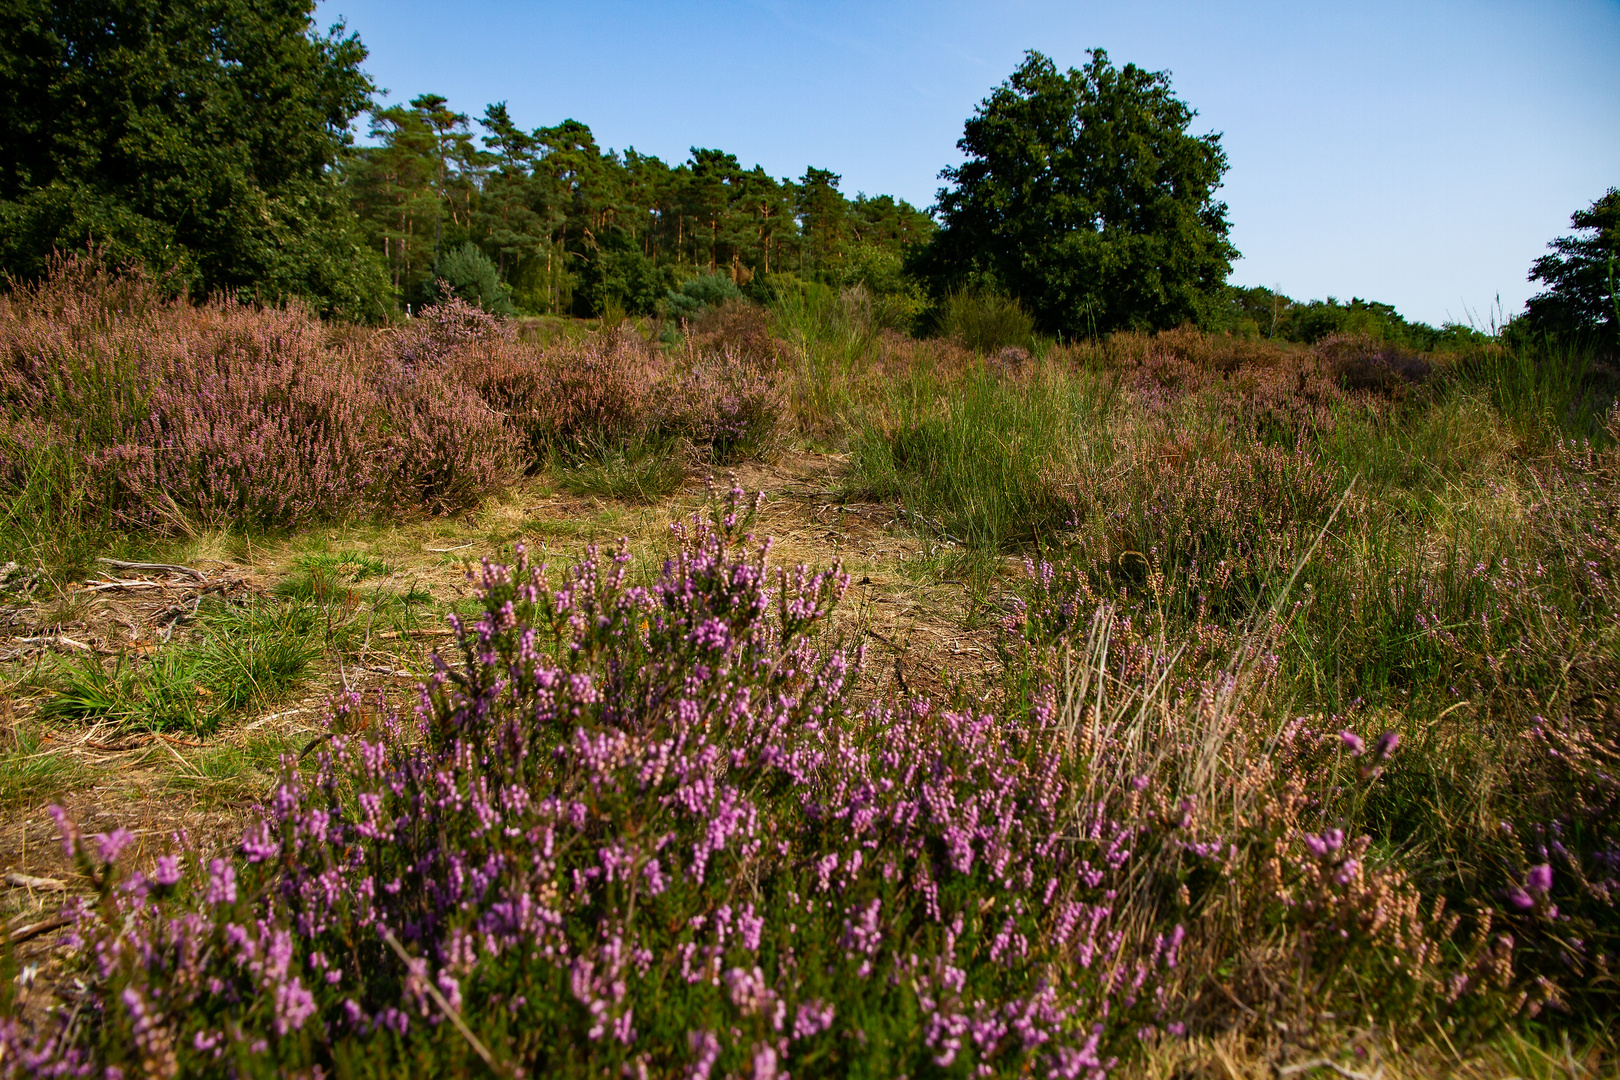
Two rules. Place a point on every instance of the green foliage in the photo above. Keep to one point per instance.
(618, 277)
(1085, 197)
(468, 274)
(576, 229)
(198, 138)
(1546, 392)
(898, 299)
(639, 468)
(696, 294)
(1580, 297)
(1264, 313)
(984, 321)
(239, 658)
(49, 517)
(972, 458)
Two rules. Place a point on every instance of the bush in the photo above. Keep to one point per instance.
(984, 322)
(697, 293)
(729, 403)
(233, 415)
(643, 829)
(466, 273)
(619, 278)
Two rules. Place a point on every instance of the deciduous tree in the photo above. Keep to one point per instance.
(196, 136)
(1086, 198)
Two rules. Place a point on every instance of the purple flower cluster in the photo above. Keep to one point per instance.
(641, 827)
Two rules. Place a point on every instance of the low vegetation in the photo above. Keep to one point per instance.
(1296, 726)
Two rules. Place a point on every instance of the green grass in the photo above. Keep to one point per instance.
(47, 517)
(1544, 393)
(984, 322)
(981, 460)
(226, 772)
(833, 345)
(237, 658)
(643, 469)
(32, 772)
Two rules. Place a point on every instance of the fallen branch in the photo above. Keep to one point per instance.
(1324, 1063)
(28, 933)
(27, 881)
(136, 583)
(441, 551)
(56, 640)
(394, 635)
(278, 716)
(168, 568)
(114, 748)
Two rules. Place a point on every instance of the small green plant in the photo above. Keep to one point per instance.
(31, 771)
(984, 322)
(979, 459)
(638, 469)
(239, 658)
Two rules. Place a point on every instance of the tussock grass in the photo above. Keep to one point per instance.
(238, 658)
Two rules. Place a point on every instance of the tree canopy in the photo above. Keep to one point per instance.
(1581, 275)
(576, 228)
(194, 136)
(1085, 197)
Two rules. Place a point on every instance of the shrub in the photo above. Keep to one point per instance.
(466, 273)
(740, 327)
(728, 402)
(122, 408)
(1365, 363)
(643, 829)
(984, 322)
(700, 292)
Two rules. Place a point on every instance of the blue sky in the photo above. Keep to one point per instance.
(1422, 154)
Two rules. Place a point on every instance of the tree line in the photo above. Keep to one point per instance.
(214, 142)
(573, 228)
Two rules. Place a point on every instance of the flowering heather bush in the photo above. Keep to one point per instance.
(231, 414)
(446, 332)
(1281, 388)
(1256, 832)
(1364, 363)
(574, 395)
(1217, 518)
(740, 328)
(730, 402)
(642, 830)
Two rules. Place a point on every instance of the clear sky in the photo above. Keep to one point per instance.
(1418, 153)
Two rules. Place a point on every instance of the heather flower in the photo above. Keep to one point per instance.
(1539, 880)
(1352, 742)
(110, 845)
(65, 826)
(167, 871)
(221, 882)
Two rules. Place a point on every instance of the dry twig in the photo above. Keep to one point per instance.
(168, 568)
(444, 1006)
(28, 881)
